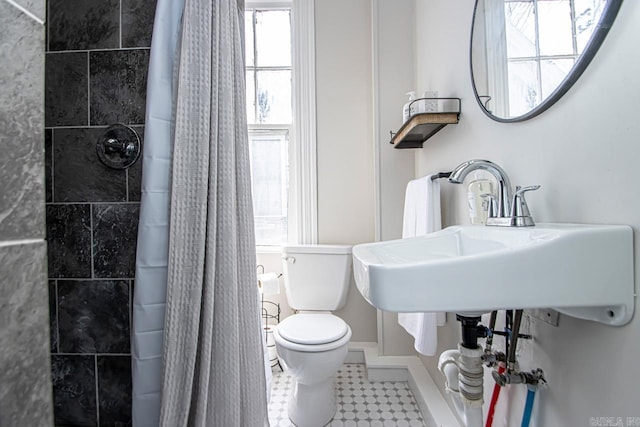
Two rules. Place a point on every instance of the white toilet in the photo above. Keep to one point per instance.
(312, 344)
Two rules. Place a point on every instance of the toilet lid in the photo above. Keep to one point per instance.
(318, 328)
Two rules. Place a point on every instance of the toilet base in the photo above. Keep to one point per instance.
(312, 405)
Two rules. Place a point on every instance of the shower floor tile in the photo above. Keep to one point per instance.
(360, 402)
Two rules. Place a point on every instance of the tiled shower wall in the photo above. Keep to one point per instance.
(96, 68)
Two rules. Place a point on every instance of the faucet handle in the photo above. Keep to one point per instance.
(519, 208)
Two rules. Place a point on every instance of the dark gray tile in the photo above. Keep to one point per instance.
(118, 86)
(93, 316)
(21, 125)
(74, 390)
(137, 22)
(48, 165)
(25, 381)
(134, 173)
(83, 24)
(69, 241)
(115, 232)
(79, 176)
(66, 96)
(114, 390)
(53, 316)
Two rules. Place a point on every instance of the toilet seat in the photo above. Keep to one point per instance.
(306, 328)
(312, 332)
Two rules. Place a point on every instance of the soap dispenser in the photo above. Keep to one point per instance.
(409, 108)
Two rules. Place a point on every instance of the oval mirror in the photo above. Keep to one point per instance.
(526, 54)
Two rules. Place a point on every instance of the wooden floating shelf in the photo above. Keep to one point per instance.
(423, 126)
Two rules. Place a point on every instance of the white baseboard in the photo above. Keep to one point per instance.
(432, 404)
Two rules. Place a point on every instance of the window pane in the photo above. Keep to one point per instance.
(524, 93)
(274, 97)
(269, 172)
(248, 37)
(556, 36)
(251, 97)
(273, 38)
(521, 29)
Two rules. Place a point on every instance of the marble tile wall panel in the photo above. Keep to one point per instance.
(69, 240)
(118, 86)
(115, 233)
(35, 7)
(74, 390)
(66, 89)
(74, 156)
(93, 316)
(25, 384)
(114, 390)
(21, 121)
(83, 24)
(137, 22)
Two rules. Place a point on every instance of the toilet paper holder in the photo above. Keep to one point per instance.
(270, 313)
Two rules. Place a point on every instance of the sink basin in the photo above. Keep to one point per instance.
(585, 271)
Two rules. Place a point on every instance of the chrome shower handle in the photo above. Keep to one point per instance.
(118, 147)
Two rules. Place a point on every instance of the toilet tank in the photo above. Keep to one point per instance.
(316, 277)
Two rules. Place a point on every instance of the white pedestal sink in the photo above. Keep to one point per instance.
(585, 271)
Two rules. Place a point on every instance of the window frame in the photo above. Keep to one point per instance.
(303, 189)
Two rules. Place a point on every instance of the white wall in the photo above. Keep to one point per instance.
(344, 139)
(584, 152)
(393, 74)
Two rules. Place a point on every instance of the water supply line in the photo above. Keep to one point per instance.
(494, 400)
(511, 361)
(512, 374)
(528, 407)
(490, 359)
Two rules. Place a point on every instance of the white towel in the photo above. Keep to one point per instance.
(422, 216)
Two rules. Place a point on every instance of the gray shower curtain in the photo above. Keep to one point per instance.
(213, 371)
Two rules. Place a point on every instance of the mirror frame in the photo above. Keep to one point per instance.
(596, 40)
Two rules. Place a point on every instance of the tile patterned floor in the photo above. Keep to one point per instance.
(360, 403)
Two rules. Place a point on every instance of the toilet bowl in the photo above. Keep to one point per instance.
(312, 348)
(312, 344)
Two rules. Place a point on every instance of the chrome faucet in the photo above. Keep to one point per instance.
(508, 212)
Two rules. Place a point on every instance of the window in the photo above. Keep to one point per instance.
(269, 115)
(281, 120)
